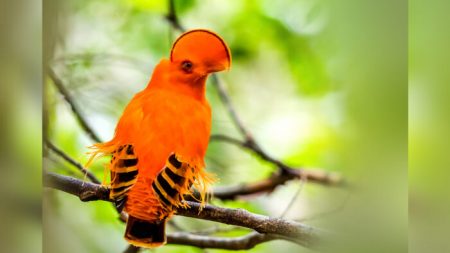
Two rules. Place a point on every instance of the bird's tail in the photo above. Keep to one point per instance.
(148, 234)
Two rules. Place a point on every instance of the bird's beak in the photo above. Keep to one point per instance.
(217, 66)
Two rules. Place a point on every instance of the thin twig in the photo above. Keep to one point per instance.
(277, 179)
(175, 225)
(247, 189)
(252, 146)
(226, 100)
(294, 198)
(269, 184)
(100, 57)
(327, 212)
(289, 230)
(131, 249)
(76, 111)
(172, 17)
(70, 160)
(316, 176)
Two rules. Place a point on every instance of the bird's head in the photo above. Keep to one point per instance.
(197, 53)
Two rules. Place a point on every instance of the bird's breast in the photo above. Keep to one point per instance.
(172, 124)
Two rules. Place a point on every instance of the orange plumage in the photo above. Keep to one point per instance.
(160, 141)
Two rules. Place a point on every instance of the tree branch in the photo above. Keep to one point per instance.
(284, 174)
(70, 160)
(173, 18)
(251, 146)
(285, 229)
(131, 249)
(277, 179)
(225, 98)
(238, 243)
(86, 191)
(317, 176)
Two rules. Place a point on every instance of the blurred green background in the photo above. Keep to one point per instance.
(429, 138)
(321, 84)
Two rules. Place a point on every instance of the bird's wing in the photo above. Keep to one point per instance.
(123, 174)
(175, 180)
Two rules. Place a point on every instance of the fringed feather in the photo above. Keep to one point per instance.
(181, 178)
(98, 151)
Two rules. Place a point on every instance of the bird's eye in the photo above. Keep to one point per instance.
(187, 66)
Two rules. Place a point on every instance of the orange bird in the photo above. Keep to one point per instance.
(160, 141)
